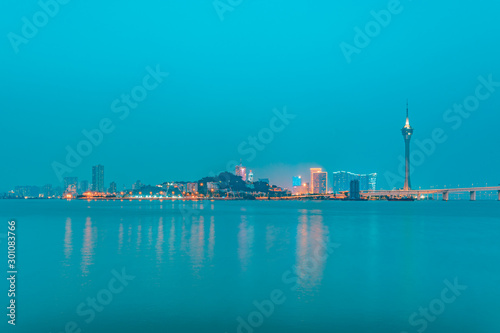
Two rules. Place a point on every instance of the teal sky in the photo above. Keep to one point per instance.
(226, 77)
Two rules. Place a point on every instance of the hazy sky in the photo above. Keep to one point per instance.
(230, 66)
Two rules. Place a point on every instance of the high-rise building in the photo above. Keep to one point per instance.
(342, 180)
(319, 181)
(84, 186)
(98, 178)
(407, 132)
(313, 170)
(354, 190)
(112, 187)
(299, 188)
(250, 177)
(70, 184)
(47, 191)
(137, 185)
(241, 171)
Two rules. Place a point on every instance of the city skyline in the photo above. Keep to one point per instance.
(345, 115)
(318, 180)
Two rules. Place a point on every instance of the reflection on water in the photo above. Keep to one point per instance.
(150, 236)
(211, 237)
(159, 242)
(120, 238)
(197, 243)
(312, 239)
(89, 238)
(245, 242)
(68, 245)
(139, 236)
(171, 239)
(232, 257)
(129, 234)
(270, 237)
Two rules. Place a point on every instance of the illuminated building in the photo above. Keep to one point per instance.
(192, 187)
(70, 184)
(354, 190)
(47, 190)
(299, 188)
(407, 132)
(241, 171)
(98, 178)
(112, 187)
(250, 177)
(319, 181)
(313, 170)
(341, 181)
(212, 186)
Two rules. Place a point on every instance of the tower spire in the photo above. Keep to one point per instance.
(407, 132)
(407, 124)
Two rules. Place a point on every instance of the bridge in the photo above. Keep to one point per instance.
(445, 192)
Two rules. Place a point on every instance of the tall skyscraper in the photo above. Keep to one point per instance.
(407, 132)
(297, 181)
(241, 171)
(319, 181)
(354, 190)
(98, 178)
(313, 170)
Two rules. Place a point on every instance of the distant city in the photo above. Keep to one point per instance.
(239, 184)
(344, 185)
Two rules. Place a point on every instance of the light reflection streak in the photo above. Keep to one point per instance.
(139, 236)
(68, 244)
(159, 242)
(211, 238)
(312, 239)
(88, 246)
(245, 242)
(171, 239)
(120, 238)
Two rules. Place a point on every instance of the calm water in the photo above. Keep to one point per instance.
(255, 266)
